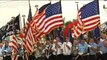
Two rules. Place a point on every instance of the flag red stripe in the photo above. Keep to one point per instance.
(28, 48)
(91, 23)
(47, 20)
(57, 21)
(15, 49)
(53, 27)
(15, 44)
(56, 24)
(92, 27)
(41, 19)
(91, 19)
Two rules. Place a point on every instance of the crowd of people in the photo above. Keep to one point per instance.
(80, 49)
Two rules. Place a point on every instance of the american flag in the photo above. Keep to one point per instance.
(90, 15)
(77, 26)
(36, 19)
(14, 46)
(51, 18)
(22, 36)
(87, 19)
(29, 38)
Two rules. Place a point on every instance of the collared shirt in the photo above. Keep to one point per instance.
(21, 51)
(57, 50)
(0, 51)
(6, 50)
(66, 50)
(102, 48)
(39, 52)
(101, 40)
(75, 49)
(83, 48)
(93, 45)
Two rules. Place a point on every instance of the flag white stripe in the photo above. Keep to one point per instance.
(92, 21)
(93, 25)
(49, 27)
(43, 29)
(88, 18)
(41, 20)
(44, 21)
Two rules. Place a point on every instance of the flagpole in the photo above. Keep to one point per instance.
(36, 6)
(50, 1)
(23, 22)
(104, 7)
(13, 27)
(77, 6)
(29, 2)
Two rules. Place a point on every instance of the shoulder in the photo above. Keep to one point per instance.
(95, 44)
(59, 43)
(79, 44)
(64, 42)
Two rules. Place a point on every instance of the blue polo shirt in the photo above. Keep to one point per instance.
(93, 45)
(83, 48)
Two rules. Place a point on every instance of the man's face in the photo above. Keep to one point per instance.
(103, 36)
(57, 39)
(67, 39)
(6, 43)
(91, 41)
(82, 41)
(105, 43)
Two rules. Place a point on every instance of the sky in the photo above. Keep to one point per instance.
(9, 8)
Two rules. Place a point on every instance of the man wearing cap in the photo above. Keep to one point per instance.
(6, 51)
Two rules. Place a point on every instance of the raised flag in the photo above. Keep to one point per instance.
(29, 38)
(14, 46)
(90, 15)
(77, 29)
(22, 36)
(11, 27)
(52, 19)
(38, 18)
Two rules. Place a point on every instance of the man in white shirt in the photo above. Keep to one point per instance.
(66, 48)
(56, 48)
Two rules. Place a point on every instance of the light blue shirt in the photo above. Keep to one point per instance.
(83, 48)
(7, 50)
(0, 51)
(93, 45)
(102, 48)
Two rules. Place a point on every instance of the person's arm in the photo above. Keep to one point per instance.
(69, 45)
(2, 51)
(53, 48)
(58, 45)
(94, 48)
(9, 50)
(78, 47)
